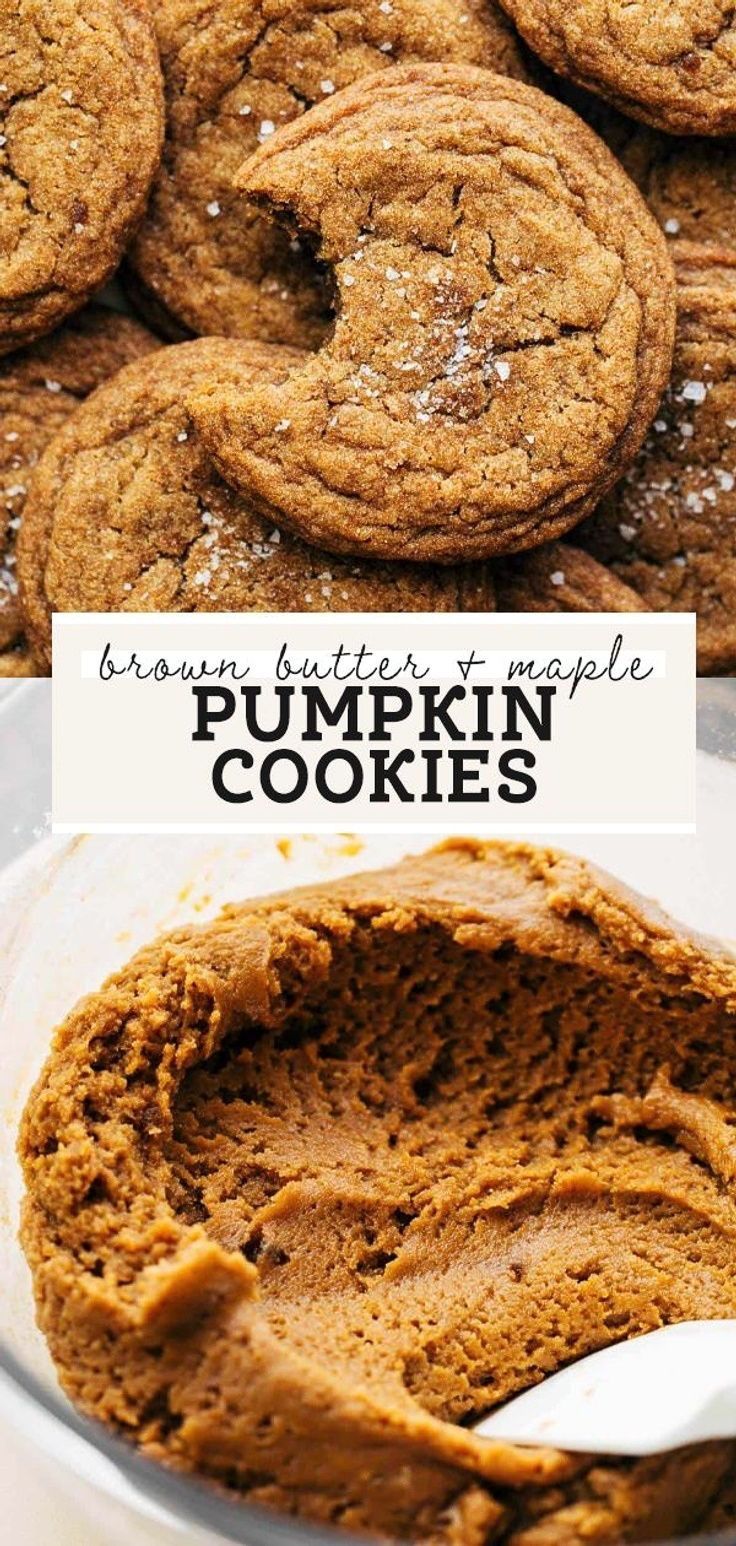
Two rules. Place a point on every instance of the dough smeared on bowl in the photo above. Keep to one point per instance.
(311, 1188)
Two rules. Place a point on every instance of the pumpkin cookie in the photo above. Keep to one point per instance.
(669, 528)
(504, 330)
(689, 184)
(560, 578)
(81, 122)
(127, 514)
(671, 65)
(39, 387)
(235, 75)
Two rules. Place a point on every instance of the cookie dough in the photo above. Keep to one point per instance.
(233, 76)
(127, 514)
(560, 578)
(312, 1187)
(672, 65)
(40, 386)
(504, 329)
(81, 124)
(669, 528)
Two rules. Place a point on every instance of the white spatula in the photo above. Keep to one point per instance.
(669, 1387)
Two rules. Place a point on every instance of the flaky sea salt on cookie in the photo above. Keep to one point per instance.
(235, 74)
(688, 183)
(81, 124)
(669, 528)
(504, 328)
(671, 63)
(126, 513)
(560, 578)
(40, 387)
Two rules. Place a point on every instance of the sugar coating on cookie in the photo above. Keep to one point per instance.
(126, 513)
(669, 528)
(40, 386)
(234, 76)
(504, 328)
(314, 1186)
(671, 63)
(81, 124)
(559, 577)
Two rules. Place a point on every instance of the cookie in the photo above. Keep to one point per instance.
(669, 528)
(233, 76)
(312, 1187)
(672, 65)
(127, 514)
(506, 309)
(39, 388)
(560, 578)
(81, 124)
(689, 184)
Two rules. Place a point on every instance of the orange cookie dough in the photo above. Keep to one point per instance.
(314, 1186)
(81, 125)
(669, 528)
(504, 328)
(671, 63)
(40, 386)
(234, 75)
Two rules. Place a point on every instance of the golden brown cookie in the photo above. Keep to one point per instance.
(234, 75)
(81, 123)
(40, 386)
(314, 1186)
(504, 327)
(560, 578)
(127, 514)
(669, 528)
(671, 63)
(689, 184)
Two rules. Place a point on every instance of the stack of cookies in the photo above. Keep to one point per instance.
(409, 281)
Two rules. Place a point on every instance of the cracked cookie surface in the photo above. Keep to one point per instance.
(670, 64)
(126, 513)
(232, 78)
(688, 183)
(506, 310)
(314, 1186)
(40, 387)
(81, 122)
(669, 528)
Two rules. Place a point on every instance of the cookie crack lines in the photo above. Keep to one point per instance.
(224, 99)
(432, 394)
(79, 91)
(670, 65)
(126, 511)
(669, 528)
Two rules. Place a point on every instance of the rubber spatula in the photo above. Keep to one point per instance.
(655, 1392)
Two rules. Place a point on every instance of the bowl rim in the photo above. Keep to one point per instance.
(163, 1489)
